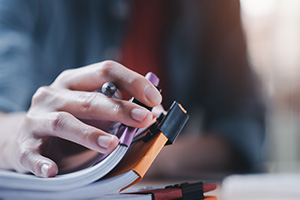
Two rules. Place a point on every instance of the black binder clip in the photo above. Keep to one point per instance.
(189, 190)
(170, 124)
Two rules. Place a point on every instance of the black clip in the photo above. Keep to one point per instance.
(190, 191)
(153, 129)
(170, 124)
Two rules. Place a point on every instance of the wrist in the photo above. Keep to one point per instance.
(9, 129)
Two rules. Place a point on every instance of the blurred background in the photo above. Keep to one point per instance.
(272, 28)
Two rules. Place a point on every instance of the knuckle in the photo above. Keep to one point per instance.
(106, 67)
(86, 135)
(57, 120)
(118, 108)
(29, 120)
(37, 164)
(86, 102)
(28, 161)
(40, 95)
(23, 155)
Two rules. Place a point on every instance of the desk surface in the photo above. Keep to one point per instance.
(248, 187)
(219, 193)
(246, 196)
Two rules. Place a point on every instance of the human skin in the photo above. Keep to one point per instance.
(63, 115)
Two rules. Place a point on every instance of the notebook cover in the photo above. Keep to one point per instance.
(140, 158)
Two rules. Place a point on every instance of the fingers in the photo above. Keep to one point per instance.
(90, 105)
(66, 126)
(37, 164)
(93, 105)
(56, 110)
(92, 77)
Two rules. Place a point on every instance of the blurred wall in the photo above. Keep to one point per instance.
(272, 29)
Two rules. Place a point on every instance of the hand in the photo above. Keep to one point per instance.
(65, 110)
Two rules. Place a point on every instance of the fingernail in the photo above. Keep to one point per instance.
(105, 140)
(138, 114)
(152, 95)
(44, 169)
